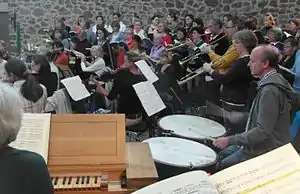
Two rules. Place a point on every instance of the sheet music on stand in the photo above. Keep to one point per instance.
(75, 88)
(34, 134)
(149, 97)
(146, 70)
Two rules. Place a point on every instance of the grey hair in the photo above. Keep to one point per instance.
(277, 32)
(11, 112)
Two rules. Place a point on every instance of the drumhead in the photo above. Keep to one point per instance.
(181, 152)
(192, 127)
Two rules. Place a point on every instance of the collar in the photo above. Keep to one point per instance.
(265, 77)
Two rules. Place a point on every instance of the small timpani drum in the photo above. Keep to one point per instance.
(192, 127)
(174, 156)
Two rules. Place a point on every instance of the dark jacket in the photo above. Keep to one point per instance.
(222, 44)
(269, 118)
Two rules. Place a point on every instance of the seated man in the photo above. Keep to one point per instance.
(269, 119)
(21, 171)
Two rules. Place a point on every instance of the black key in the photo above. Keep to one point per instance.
(82, 180)
(64, 180)
(88, 180)
(70, 180)
(55, 181)
(77, 180)
(96, 179)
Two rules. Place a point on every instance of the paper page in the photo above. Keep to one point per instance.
(147, 71)
(149, 97)
(75, 88)
(276, 172)
(195, 182)
(34, 134)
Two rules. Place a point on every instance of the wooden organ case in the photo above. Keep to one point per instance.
(88, 155)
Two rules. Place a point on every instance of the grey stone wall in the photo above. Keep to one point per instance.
(34, 15)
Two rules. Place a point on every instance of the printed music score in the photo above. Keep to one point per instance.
(34, 134)
(195, 182)
(147, 71)
(263, 174)
(75, 88)
(149, 97)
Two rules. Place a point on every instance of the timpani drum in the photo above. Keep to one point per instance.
(192, 127)
(174, 156)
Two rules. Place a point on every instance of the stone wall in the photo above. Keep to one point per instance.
(34, 15)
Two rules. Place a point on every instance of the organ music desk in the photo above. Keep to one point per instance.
(88, 155)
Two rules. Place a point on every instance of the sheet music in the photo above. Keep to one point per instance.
(277, 172)
(34, 134)
(195, 182)
(75, 88)
(147, 71)
(149, 97)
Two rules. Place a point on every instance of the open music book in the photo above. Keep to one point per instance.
(276, 172)
(34, 134)
(75, 88)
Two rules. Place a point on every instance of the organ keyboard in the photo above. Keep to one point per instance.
(88, 155)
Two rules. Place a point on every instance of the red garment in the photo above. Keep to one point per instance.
(62, 61)
(167, 39)
(120, 57)
(131, 43)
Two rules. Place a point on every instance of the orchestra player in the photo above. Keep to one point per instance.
(157, 48)
(236, 82)
(124, 78)
(269, 118)
(98, 66)
(22, 172)
(32, 93)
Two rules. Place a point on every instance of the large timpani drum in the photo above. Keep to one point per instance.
(192, 127)
(174, 156)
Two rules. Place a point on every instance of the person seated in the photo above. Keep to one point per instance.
(274, 36)
(124, 79)
(98, 66)
(117, 35)
(129, 40)
(138, 30)
(44, 75)
(166, 37)
(167, 85)
(157, 48)
(269, 118)
(22, 172)
(289, 57)
(33, 94)
(236, 82)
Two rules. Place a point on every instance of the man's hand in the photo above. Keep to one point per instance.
(207, 67)
(206, 49)
(221, 142)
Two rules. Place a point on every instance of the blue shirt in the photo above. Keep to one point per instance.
(296, 70)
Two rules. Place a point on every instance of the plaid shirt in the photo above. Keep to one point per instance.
(264, 78)
(29, 106)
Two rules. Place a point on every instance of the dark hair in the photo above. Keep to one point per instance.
(173, 15)
(58, 45)
(292, 41)
(197, 29)
(199, 21)
(183, 30)
(153, 17)
(101, 28)
(79, 17)
(237, 22)
(115, 24)
(100, 16)
(190, 16)
(250, 25)
(30, 89)
(117, 14)
(44, 64)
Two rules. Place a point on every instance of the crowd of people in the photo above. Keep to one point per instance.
(249, 71)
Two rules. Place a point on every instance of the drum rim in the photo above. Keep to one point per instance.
(186, 166)
(159, 120)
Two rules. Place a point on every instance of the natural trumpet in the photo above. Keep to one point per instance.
(189, 58)
(175, 47)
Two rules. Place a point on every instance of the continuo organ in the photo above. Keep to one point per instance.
(88, 155)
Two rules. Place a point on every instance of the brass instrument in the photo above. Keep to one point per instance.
(175, 47)
(189, 58)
